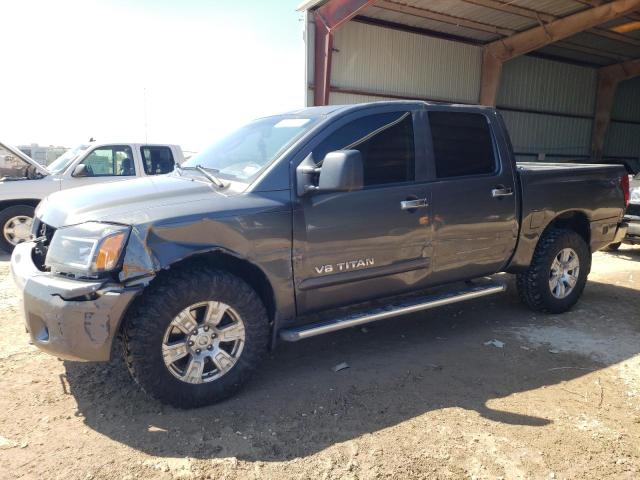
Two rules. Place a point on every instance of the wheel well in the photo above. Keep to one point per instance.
(576, 221)
(247, 271)
(32, 202)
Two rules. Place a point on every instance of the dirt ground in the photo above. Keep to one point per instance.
(424, 397)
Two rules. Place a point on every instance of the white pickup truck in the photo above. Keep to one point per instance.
(24, 182)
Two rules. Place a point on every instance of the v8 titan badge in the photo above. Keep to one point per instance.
(345, 266)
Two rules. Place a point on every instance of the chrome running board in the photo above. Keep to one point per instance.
(391, 310)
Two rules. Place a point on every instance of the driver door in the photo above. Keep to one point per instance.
(104, 164)
(354, 246)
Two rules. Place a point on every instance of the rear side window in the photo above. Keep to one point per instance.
(385, 141)
(462, 144)
(157, 160)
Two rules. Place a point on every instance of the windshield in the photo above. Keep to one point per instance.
(243, 154)
(61, 163)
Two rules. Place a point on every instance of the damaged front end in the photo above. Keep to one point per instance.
(72, 315)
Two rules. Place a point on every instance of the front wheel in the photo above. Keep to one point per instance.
(15, 226)
(558, 272)
(194, 337)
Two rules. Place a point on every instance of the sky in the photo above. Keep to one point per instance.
(75, 69)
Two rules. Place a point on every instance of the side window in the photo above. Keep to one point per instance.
(462, 144)
(385, 141)
(157, 160)
(110, 161)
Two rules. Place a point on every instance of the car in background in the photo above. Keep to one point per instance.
(632, 215)
(24, 182)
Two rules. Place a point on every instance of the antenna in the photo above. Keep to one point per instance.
(144, 96)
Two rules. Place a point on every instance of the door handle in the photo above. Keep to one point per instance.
(501, 192)
(413, 204)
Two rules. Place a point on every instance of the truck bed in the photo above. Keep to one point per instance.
(549, 190)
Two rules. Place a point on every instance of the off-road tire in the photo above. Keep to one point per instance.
(152, 312)
(533, 284)
(613, 247)
(7, 214)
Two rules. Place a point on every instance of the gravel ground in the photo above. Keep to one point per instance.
(425, 396)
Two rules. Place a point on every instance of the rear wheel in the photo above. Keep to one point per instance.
(558, 272)
(15, 226)
(193, 339)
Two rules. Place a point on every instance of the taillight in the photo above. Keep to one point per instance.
(624, 184)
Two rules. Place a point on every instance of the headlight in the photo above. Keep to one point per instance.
(635, 195)
(88, 249)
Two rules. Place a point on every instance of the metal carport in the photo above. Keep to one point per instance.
(564, 73)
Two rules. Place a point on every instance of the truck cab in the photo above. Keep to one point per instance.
(24, 182)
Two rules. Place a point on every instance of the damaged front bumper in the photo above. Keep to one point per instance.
(71, 319)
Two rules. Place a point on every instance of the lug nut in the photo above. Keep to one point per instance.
(190, 343)
(195, 332)
(206, 328)
(197, 350)
(210, 347)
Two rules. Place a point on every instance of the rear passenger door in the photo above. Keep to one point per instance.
(354, 246)
(474, 194)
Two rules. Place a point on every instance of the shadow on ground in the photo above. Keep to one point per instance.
(627, 252)
(297, 405)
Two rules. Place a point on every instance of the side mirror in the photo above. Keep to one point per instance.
(341, 171)
(81, 171)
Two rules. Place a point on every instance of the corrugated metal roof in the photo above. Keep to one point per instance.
(592, 48)
(461, 9)
(559, 8)
(605, 45)
(557, 51)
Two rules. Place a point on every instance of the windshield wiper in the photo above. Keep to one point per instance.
(206, 172)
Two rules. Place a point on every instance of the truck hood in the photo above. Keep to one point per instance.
(25, 158)
(151, 200)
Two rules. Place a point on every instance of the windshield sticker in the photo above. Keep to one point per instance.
(291, 122)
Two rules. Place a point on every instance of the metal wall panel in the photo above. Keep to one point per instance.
(627, 102)
(400, 63)
(339, 98)
(534, 133)
(623, 140)
(539, 84)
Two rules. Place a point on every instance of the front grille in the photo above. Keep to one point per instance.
(43, 234)
(41, 230)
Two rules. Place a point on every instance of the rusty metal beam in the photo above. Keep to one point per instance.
(328, 18)
(546, 17)
(524, 42)
(597, 3)
(608, 80)
(529, 40)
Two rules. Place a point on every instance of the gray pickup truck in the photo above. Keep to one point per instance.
(302, 224)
